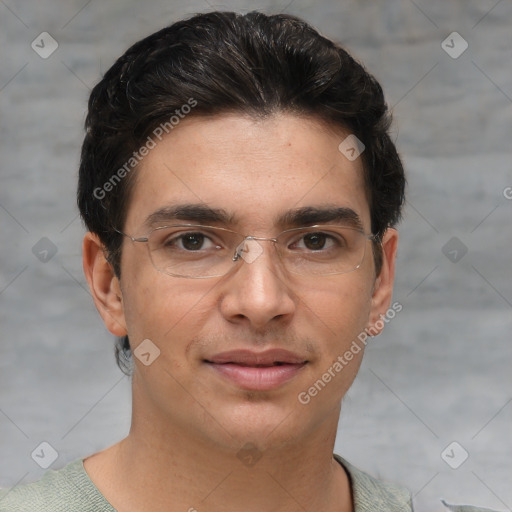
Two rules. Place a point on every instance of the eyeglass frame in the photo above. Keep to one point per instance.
(145, 239)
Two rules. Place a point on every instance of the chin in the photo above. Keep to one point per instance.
(262, 423)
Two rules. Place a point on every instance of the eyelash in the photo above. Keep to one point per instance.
(172, 241)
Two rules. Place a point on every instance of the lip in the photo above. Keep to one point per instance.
(258, 371)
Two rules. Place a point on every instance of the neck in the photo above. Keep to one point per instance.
(162, 467)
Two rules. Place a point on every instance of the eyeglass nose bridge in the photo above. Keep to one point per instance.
(240, 248)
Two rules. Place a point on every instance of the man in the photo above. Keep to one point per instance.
(240, 191)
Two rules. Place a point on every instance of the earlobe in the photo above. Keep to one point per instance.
(104, 285)
(383, 287)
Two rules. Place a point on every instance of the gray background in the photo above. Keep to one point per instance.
(441, 370)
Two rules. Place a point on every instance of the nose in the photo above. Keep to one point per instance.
(258, 291)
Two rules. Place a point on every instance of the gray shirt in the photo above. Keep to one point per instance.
(71, 490)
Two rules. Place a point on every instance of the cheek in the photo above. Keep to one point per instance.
(340, 309)
(143, 302)
(343, 304)
(165, 310)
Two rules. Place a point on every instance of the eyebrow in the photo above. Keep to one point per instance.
(204, 214)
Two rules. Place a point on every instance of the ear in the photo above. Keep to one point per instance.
(383, 286)
(104, 285)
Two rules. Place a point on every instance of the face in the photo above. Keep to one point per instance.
(219, 338)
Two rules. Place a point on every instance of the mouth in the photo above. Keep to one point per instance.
(255, 371)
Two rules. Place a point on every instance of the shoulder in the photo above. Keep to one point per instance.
(65, 490)
(465, 508)
(371, 494)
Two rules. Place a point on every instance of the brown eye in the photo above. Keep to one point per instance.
(192, 241)
(315, 241)
(318, 241)
(188, 242)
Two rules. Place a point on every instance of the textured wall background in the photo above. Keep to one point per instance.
(441, 370)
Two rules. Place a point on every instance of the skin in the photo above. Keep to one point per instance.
(188, 422)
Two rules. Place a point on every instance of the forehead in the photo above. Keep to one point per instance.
(256, 171)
